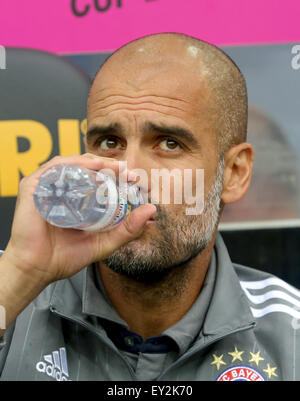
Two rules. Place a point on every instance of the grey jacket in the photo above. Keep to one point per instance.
(250, 332)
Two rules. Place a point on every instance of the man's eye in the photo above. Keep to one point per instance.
(109, 143)
(169, 144)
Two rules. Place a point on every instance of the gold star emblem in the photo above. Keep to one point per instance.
(236, 355)
(218, 361)
(256, 358)
(270, 371)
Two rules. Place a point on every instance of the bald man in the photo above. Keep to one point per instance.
(157, 297)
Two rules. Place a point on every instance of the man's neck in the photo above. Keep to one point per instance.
(150, 309)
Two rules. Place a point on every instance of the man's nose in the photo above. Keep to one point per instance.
(138, 161)
(135, 157)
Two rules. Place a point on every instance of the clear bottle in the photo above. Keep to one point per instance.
(70, 196)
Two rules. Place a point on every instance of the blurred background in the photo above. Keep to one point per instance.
(50, 52)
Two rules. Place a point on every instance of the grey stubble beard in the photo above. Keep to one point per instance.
(180, 240)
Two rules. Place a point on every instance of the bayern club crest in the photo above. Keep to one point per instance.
(240, 374)
(246, 369)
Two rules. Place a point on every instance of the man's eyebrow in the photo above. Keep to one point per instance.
(174, 130)
(98, 130)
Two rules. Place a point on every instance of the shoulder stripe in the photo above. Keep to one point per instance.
(259, 285)
(293, 297)
(260, 299)
(275, 308)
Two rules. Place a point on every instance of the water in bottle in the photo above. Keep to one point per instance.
(70, 196)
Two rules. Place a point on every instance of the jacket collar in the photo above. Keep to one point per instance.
(229, 309)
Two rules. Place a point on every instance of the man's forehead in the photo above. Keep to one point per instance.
(168, 73)
(176, 100)
(173, 80)
(147, 82)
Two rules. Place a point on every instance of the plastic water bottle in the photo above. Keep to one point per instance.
(70, 196)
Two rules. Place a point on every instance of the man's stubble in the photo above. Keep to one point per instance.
(178, 240)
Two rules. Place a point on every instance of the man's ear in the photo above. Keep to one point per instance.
(237, 172)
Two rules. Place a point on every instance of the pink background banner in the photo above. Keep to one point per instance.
(78, 26)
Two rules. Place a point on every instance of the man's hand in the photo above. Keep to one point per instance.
(41, 253)
(51, 253)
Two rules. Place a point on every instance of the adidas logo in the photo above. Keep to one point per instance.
(55, 365)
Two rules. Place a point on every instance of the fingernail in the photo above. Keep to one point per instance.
(132, 176)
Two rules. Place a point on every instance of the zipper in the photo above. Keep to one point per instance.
(202, 347)
(86, 326)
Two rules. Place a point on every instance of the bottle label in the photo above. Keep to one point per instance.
(128, 201)
(121, 213)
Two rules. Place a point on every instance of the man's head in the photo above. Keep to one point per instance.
(172, 101)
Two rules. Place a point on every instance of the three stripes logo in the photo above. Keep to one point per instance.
(55, 365)
(281, 297)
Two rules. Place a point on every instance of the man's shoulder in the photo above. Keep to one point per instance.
(268, 295)
(260, 279)
(71, 288)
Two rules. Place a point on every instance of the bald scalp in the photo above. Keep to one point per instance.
(227, 104)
